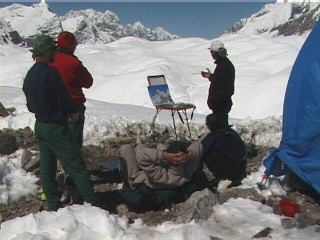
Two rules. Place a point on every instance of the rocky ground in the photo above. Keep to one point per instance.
(107, 184)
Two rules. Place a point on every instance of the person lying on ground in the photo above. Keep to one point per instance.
(159, 169)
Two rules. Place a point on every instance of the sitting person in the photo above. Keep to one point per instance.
(156, 168)
(224, 152)
(157, 177)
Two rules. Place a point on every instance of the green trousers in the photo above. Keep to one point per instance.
(57, 142)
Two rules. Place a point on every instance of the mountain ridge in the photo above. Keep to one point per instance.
(19, 23)
(283, 18)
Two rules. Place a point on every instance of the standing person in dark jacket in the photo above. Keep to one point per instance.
(75, 76)
(221, 81)
(48, 98)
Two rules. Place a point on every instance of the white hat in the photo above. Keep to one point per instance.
(216, 45)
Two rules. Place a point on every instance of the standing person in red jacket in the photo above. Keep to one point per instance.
(75, 76)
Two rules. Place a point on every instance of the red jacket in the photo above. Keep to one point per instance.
(75, 76)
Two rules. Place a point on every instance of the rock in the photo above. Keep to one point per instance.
(214, 238)
(288, 223)
(33, 164)
(117, 141)
(199, 206)
(4, 112)
(8, 144)
(263, 233)
(276, 209)
(302, 221)
(251, 193)
(122, 210)
(112, 144)
(26, 157)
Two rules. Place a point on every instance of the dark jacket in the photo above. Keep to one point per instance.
(74, 75)
(228, 142)
(222, 83)
(46, 95)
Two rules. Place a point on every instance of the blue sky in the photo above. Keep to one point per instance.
(205, 19)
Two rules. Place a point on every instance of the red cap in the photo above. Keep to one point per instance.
(66, 40)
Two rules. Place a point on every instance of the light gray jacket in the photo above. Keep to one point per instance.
(154, 172)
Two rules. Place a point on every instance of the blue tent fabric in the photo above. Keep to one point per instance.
(299, 149)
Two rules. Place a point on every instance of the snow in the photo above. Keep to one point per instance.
(119, 99)
(260, 79)
(27, 14)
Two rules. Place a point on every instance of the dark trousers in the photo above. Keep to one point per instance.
(57, 142)
(222, 108)
(223, 167)
(77, 126)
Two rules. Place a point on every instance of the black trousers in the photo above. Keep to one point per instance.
(223, 167)
(76, 127)
(222, 108)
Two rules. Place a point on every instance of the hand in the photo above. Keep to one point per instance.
(206, 74)
(175, 158)
(73, 117)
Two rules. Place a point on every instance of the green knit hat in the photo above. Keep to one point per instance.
(41, 43)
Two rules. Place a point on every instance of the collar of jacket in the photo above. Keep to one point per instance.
(65, 51)
(220, 59)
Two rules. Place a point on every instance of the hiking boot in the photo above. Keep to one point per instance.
(101, 204)
(60, 178)
(213, 185)
(65, 197)
(44, 206)
(70, 193)
(75, 196)
(234, 183)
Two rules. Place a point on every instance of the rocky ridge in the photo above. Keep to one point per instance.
(280, 19)
(18, 23)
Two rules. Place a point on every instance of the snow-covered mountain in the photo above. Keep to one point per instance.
(90, 26)
(18, 23)
(285, 18)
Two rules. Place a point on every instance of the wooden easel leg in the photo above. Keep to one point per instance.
(152, 124)
(187, 120)
(174, 123)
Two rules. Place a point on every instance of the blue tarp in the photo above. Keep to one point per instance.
(299, 149)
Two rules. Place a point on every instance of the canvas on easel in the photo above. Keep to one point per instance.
(160, 96)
